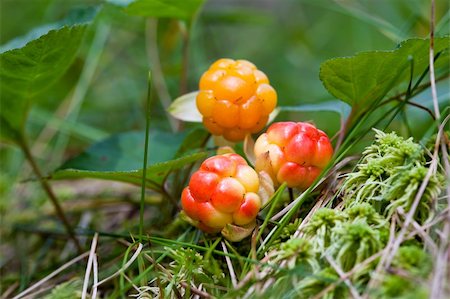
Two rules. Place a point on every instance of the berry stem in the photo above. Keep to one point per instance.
(291, 194)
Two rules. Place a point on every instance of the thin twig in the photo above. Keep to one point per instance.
(440, 272)
(38, 292)
(229, 265)
(51, 275)
(341, 274)
(89, 266)
(437, 284)
(131, 282)
(47, 188)
(10, 290)
(128, 264)
(348, 274)
(431, 57)
(95, 270)
(420, 231)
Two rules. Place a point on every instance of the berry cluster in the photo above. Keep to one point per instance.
(223, 191)
(235, 99)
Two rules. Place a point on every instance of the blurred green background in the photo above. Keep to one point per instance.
(104, 91)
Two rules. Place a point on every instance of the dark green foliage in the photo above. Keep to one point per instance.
(28, 71)
(367, 77)
(295, 256)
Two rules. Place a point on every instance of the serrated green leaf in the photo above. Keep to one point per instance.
(176, 9)
(184, 108)
(367, 77)
(27, 72)
(155, 173)
(80, 15)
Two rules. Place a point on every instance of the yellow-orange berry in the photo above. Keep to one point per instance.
(235, 99)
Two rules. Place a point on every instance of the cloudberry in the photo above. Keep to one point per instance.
(224, 190)
(235, 99)
(294, 153)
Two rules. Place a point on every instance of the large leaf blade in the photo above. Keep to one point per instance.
(155, 173)
(28, 71)
(367, 77)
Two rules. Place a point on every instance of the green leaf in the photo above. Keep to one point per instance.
(119, 157)
(177, 9)
(124, 151)
(156, 173)
(80, 15)
(331, 106)
(367, 77)
(27, 72)
(184, 108)
(195, 139)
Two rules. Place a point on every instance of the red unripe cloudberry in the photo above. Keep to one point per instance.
(294, 153)
(223, 191)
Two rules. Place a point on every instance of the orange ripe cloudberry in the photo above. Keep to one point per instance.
(223, 191)
(294, 153)
(235, 99)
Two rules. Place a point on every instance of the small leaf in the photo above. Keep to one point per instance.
(177, 9)
(235, 233)
(266, 187)
(367, 77)
(273, 114)
(249, 145)
(184, 108)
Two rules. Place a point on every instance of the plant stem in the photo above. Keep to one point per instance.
(291, 194)
(344, 128)
(144, 167)
(47, 188)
